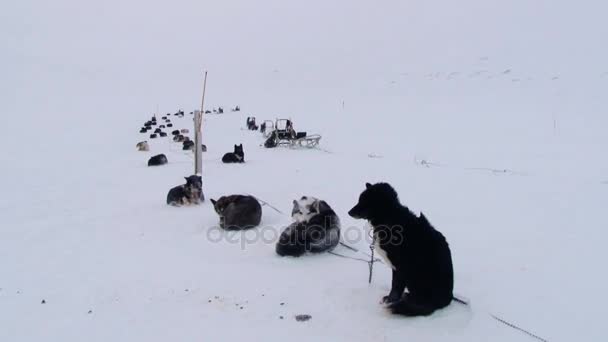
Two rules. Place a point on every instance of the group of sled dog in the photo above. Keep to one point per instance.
(417, 253)
(179, 136)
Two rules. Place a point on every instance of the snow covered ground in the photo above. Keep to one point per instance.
(488, 116)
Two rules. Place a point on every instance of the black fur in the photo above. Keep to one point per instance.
(189, 193)
(153, 136)
(238, 156)
(175, 132)
(169, 125)
(157, 160)
(238, 212)
(419, 254)
(319, 234)
(188, 145)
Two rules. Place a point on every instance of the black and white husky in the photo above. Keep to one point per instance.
(189, 193)
(238, 156)
(143, 146)
(316, 229)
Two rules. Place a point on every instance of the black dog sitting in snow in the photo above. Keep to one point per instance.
(238, 156)
(316, 229)
(189, 193)
(418, 254)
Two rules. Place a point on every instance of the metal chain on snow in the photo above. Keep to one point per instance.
(371, 260)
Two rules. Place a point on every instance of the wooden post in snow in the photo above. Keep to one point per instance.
(198, 121)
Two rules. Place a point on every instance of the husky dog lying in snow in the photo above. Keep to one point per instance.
(238, 212)
(143, 146)
(418, 254)
(157, 160)
(238, 156)
(188, 145)
(316, 229)
(189, 193)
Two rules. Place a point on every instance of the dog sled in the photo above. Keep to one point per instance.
(285, 135)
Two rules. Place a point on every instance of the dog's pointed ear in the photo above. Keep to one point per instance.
(213, 201)
(367, 185)
(314, 206)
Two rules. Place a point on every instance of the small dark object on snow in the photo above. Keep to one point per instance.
(43, 302)
(163, 134)
(176, 132)
(90, 312)
(188, 145)
(143, 130)
(153, 136)
(303, 318)
(169, 125)
(161, 126)
(157, 160)
(158, 130)
(282, 304)
(204, 148)
(280, 317)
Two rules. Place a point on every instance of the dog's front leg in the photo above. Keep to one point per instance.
(397, 288)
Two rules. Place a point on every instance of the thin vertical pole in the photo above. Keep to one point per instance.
(198, 121)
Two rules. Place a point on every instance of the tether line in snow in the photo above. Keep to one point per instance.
(513, 326)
